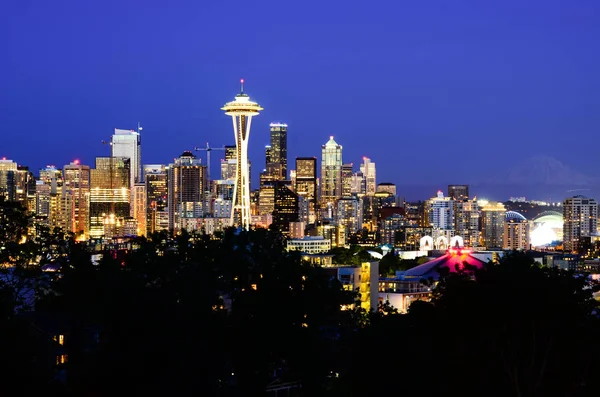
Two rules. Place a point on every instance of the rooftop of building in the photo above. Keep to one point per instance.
(308, 238)
(514, 215)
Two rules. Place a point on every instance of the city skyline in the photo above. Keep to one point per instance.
(488, 76)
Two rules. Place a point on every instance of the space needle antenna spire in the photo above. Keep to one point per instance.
(241, 110)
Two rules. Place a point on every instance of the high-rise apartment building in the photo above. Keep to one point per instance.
(76, 179)
(493, 217)
(516, 232)
(277, 160)
(186, 190)
(42, 199)
(331, 173)
(139, 208)
(440, 210)
(61, 210)
(349, 214)
(110, 201)
(157, 216)
(580, 217)
(51, 173)
(368, 170)
(458, 192)
(466, 221)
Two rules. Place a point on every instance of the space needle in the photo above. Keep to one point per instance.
(241, 110)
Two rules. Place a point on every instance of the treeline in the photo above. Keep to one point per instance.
(229, 316)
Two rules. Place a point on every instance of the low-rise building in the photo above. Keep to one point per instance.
(309, 244)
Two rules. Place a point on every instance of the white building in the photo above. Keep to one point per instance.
(309, 244)
(331, 172)
(127, 143)
(368, 170)
(349, 214)
(580, 216)
(441, 212)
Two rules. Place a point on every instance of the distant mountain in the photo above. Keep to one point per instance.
(537, 178)
(547, 170)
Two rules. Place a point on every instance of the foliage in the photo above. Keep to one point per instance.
(227, 316)
(354, 256)
(506, 331)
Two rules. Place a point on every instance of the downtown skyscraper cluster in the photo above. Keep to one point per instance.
(119, 195)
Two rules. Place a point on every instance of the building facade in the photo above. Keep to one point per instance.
(368, 170)
(109, 194)
(77, 179)
(331, 173)
(493, 216)
(186, 178)
(580, 217)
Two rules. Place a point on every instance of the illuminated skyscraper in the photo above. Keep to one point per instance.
(24, 183)
(77, 180)
(305, 186)
(368, 170)
(128, 143)
(109, 195)
(8, 168)
(157, 216)
(331, 173)
(139, 201)
(285, 206)
(277, 159)
(241, 110)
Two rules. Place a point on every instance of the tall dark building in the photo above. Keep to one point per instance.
(25, 187)
(347, 180)
(157, 216)
(186, 189)
(278, 152)
(458, 192)
(285, 206)
(306, 177)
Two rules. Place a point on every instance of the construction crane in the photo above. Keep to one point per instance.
(208, 149)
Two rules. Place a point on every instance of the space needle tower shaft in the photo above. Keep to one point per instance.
(241, 110)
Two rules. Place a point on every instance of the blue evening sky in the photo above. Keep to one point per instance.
(433, 91)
